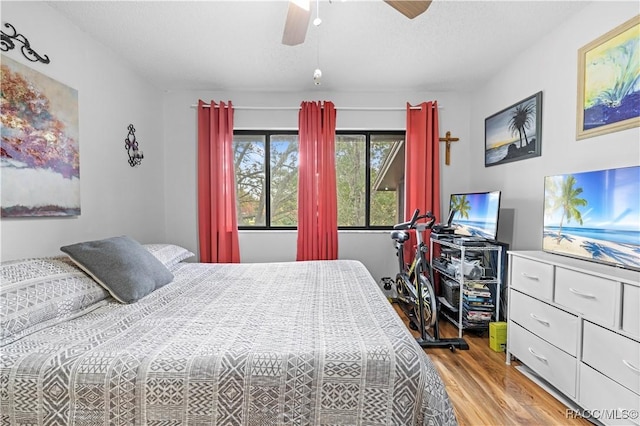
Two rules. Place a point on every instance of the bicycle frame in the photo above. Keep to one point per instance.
(421, 248)
(418, 266)
(419, 257)
(416, 279)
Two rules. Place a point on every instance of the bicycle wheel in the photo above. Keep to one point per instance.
(429, 310)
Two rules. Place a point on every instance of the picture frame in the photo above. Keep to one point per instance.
(39, 139)
(514, 133)
(608, 93)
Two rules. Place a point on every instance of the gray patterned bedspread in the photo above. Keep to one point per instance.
(300, 343)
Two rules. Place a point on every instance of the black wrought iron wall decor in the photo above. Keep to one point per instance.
(131, 144)
(7, 43)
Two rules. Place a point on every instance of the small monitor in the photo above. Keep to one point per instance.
(475, 214)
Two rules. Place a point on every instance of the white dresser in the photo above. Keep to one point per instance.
(576, 325)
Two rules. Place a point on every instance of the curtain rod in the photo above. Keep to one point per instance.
(297, 108)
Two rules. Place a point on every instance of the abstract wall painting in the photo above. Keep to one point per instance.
(609, 82)
(39, 151)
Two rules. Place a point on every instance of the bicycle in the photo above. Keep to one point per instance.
(415, 279)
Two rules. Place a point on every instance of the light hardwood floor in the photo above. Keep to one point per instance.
(486, 391)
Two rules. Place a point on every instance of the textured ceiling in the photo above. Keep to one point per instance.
(360, 46)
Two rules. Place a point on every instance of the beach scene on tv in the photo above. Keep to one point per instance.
(594, 215)
(476, 214)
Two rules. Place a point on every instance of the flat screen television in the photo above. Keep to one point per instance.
(476, 214)
(594, 215)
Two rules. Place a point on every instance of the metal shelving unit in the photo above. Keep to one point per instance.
(473, 290)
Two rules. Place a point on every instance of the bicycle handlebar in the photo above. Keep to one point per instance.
(415, 218)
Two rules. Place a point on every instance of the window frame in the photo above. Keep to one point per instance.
(267, 179)
(269, 133)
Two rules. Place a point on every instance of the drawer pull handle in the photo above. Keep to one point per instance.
(531, 277)
(579, 293)
(631, 366)
(540, 357)
(540, 320)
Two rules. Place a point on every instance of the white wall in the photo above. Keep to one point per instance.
(157, 201)
(374, 249)
(549, 66)
(116, 199)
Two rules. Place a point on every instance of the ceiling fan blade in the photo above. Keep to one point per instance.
(409, 8)
(295, 27)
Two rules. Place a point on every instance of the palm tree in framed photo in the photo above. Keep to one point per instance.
(522, 118)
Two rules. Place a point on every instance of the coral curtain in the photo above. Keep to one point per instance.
(422, 165)
(217, 220)
(317, 194)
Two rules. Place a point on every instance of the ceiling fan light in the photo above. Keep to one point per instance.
(317, 75)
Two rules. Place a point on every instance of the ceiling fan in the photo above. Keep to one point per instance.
(299, 13)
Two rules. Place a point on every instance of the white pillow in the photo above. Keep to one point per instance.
(169, 254)
(38, 292)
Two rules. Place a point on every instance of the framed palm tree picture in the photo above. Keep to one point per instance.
(514, 133)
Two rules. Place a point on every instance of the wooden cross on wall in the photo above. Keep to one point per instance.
(447, 152)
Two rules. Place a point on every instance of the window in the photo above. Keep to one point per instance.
(369, 176)
(387, 178)
(267, 191)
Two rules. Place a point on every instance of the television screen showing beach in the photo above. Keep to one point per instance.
(594, 215)
(476, 214)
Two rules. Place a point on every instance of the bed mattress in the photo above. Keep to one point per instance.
(296, 343)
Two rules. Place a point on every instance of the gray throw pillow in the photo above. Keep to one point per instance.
(121, 265)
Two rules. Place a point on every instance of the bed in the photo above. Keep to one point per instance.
(294, 343)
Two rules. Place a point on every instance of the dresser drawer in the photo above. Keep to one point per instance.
(613, 355)
(631, 309)
(592, 296)
(554, 365)
(551, 324)
(597, 392)
(531, 277)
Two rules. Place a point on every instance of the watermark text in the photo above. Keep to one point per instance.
(602, 414)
